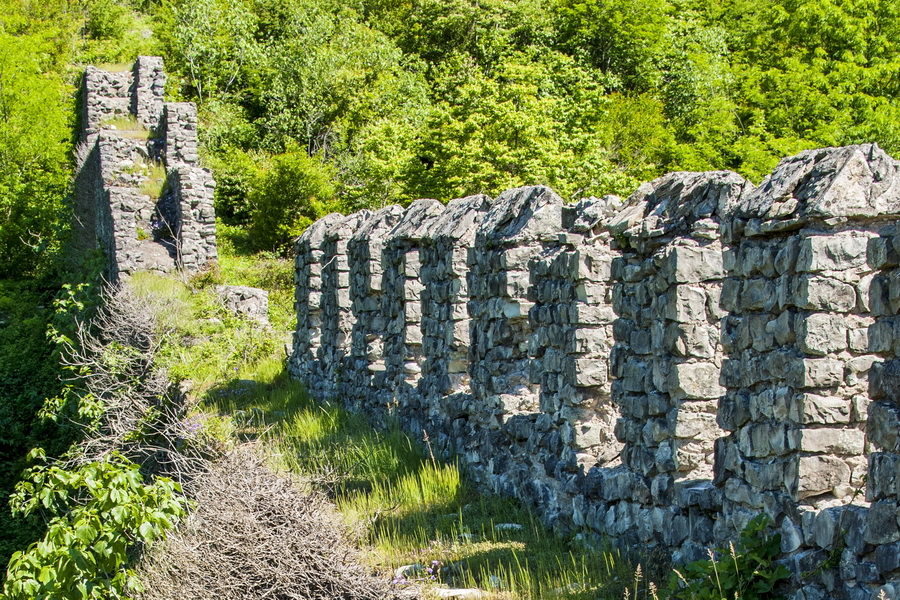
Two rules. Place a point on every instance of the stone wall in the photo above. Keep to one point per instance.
(141, 197)
(657, 373)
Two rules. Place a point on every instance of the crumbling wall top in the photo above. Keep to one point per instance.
(674, 203)
(418, 220)
(315, 234)
(461, 218)
(346, 227)
(850, 182)
(381, 222)
(523, 214)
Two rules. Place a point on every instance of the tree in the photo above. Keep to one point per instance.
(211, 41)
(288, 197)
(35, 112)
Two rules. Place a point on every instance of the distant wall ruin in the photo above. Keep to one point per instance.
(658, 374)
(141, 196)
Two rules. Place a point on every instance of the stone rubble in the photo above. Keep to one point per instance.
(657, 371)
(245, 301)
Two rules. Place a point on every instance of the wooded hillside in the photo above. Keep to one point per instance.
(313, 105)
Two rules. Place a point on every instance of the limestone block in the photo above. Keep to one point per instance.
(884, 476)
(820, 474)
(819, 409)
(585, 314)
(820, 373)
(821, 334)
(757, 294)
(591, 264)
(832, 441)
(883, 425)
(691, 340)
(881, 523)
(587, 372)
(686, 304)
(696, 381)
(833, 252)
(695, 264)
(815, 292)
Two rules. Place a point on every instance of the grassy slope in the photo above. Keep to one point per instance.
(407, 507)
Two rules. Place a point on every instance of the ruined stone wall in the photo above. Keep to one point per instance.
(658, 374)
(141, 197)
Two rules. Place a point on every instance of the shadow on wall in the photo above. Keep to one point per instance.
(658, 373)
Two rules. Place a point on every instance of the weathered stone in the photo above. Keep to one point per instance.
(815, 292)
(822, 334)
(245, 301)
(832, 252)
(832, 441)
(696, 380)
(821, 474)
(695, 264)
(882, 523)
(824, 409)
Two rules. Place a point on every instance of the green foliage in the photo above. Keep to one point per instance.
(288, 197)
(624, 39)
(747, 571)
(210, 41)
(106, 19)
(517, 128)
(35, 112)
(236, 170)
(99, 514)
(28, 373)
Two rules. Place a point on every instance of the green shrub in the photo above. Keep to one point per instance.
(287, 198)
(747, 571)
(235, 172)
(101, 513)
(106, 19)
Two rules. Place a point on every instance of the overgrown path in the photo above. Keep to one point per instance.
(418, 520)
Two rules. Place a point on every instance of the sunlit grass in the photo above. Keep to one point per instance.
(155, 183)
(405, 506)
(126, 126)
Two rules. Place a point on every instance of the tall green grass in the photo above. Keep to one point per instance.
(406, 507)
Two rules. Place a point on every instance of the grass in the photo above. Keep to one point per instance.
(126, 126)
(406, 507)
(409, 508)
(155, 184)
(119, 67)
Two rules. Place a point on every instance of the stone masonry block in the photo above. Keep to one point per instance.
(883, 426)
(695, 264)
(824, 409)
(814, 292)
(696, 381)
(833, 441)
(821, 334)
(832, 252)
(820, 373)
(686, 304)
(821, 474)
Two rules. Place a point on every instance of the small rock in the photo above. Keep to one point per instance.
(508, 527)
(458, 593)
(408, 571)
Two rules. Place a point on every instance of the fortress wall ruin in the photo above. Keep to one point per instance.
(128, 135)
(657, 373)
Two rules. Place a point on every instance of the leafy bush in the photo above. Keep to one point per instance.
(106, 19)
(100, 513)
(286, 199)
(747, 571)
(235, 172)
